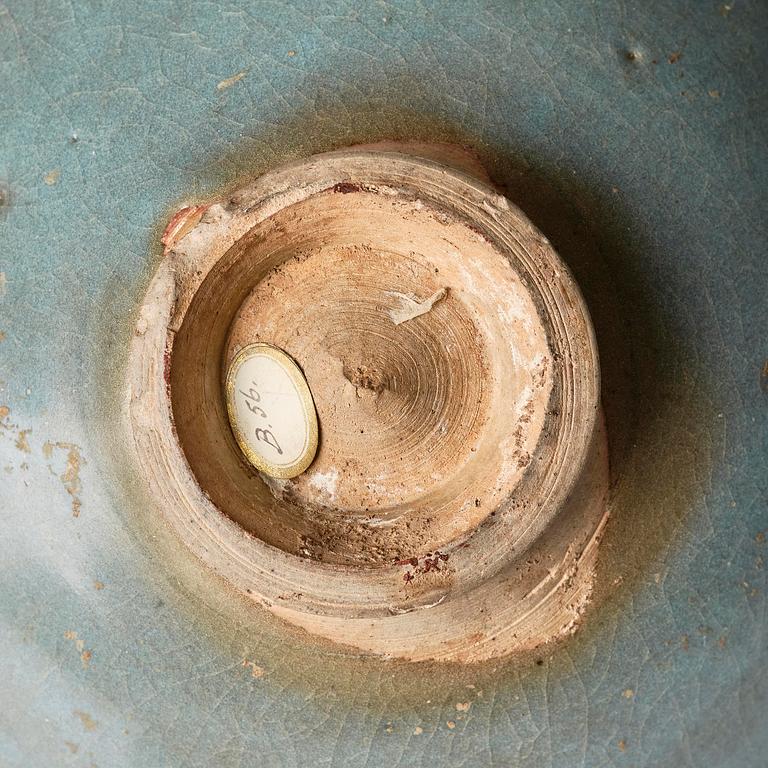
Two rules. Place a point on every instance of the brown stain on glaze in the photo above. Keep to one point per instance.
(70, 477)
(256, 671)
(86, 654)
(22, 441)
(6, 200)
(85, 718)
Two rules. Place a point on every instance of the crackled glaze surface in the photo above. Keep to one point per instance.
(633, 137)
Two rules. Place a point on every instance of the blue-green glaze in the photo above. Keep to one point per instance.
(634, 136)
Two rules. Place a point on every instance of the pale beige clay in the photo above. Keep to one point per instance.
(455, 503)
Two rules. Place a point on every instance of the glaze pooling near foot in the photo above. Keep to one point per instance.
(456, 498)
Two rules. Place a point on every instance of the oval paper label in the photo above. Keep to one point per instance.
(271, 411)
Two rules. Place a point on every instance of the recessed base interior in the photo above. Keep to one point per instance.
(426, 421)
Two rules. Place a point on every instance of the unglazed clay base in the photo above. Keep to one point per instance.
(455, 502)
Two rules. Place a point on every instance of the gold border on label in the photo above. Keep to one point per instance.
(296, 375)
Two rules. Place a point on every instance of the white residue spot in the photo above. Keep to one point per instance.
(378, 522)
(325, 482)
(411, 307)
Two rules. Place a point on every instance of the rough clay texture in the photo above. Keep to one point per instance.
(420, 421)
(469, 472)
